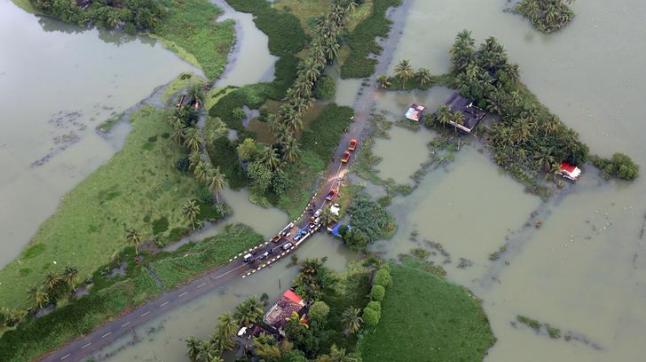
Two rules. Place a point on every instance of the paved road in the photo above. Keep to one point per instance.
(108, 333)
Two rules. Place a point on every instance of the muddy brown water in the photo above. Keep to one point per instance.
(582, 271)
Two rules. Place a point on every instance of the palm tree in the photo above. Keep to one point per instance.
(248, 312)
(404, 72)
(196, 93)
(290, 149)
(443, 115)
(201, 171)
(193, 346)
(191, 210)
(225, 332)
(192, 139)
(133, 237)
(194, 159)
(383, 81)
(69, 275)
(39, 296)
(216, 183)
(269, 157)
(424, 76)
(328, 218)
(351, 320)
(462, 51)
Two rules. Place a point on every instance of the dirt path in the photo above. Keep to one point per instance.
(84, 346)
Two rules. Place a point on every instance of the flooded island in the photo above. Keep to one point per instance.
(322, 180)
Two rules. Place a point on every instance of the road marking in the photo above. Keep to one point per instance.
(183, 294)
(107, 334)
(144, 314)
(163, 304)
(125, 325)
(65, 356)
(86, 345)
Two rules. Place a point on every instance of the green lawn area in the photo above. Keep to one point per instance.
(110, 297)
(308, 10)
(138, 188)
(425, 318)
(191, 30)
(25, 5)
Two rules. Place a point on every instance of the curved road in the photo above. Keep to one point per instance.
(109, 332)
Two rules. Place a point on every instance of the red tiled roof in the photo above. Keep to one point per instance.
(567, 167)
(292, 297)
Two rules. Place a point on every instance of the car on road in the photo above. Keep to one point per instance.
(346, 157)
(264, 255)
(248, 257)
(286, 230)
(287, 246)
(331, 195)
(276, 238)
(352, 145)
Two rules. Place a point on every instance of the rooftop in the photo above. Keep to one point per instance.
(472, 114)
(415, 112)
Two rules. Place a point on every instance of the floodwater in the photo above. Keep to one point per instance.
(56, 85)
(583, 268)
(164, 339)
(250, 61)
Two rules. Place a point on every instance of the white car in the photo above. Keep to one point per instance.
(287, 246)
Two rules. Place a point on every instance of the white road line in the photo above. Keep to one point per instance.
(183, 294)
(86, 345)
(163, 304)
(201, 285)
(107, 334)
(65, 357)
(144, 314)
(125, 325)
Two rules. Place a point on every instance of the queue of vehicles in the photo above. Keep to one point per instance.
(291, 235)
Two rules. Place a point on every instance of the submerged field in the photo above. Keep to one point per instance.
(425, 318)
(139, 188)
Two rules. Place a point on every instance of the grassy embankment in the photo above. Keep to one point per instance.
(111, 296)
(307, 11)
(138, 188)
(425, 318)
(191, 31)
(362, 41)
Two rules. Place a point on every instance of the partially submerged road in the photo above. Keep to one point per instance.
(85, 346)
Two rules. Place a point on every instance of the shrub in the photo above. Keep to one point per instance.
(619, 166)
(319, 311)
(383, 278)
(371, 317)
(377, 293)
(374, 305)
(325, 88)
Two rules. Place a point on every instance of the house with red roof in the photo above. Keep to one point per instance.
(569, 171)
(288, 304)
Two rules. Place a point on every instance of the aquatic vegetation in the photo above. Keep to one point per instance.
(547, 16)
(619, 166)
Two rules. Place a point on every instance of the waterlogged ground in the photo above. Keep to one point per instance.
(56, 85)
(583, 268)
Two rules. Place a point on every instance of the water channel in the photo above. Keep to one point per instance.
(583, 270)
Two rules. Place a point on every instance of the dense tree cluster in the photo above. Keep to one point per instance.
(619, 166)
(547, 15)
(129, 15)
(370, 222)
(528, 138)
(323, 49)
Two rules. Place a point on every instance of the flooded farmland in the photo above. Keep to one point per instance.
(582, 269)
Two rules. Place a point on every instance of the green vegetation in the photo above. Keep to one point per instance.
(619, 166)
(110, 296)
(325, 88)
(547, 16)
(330, 333)
(107, 125)
(537, 326)
(190, 26)
(362, 41)
(187, 27)
(131, 15)
(425, 318)
(370, 222)
(90, 225)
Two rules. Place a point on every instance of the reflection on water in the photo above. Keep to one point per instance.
(402, 153)
(56, 85)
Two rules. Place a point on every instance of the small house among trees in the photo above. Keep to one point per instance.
(415, 112)
(280, 313)
(472, 115)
